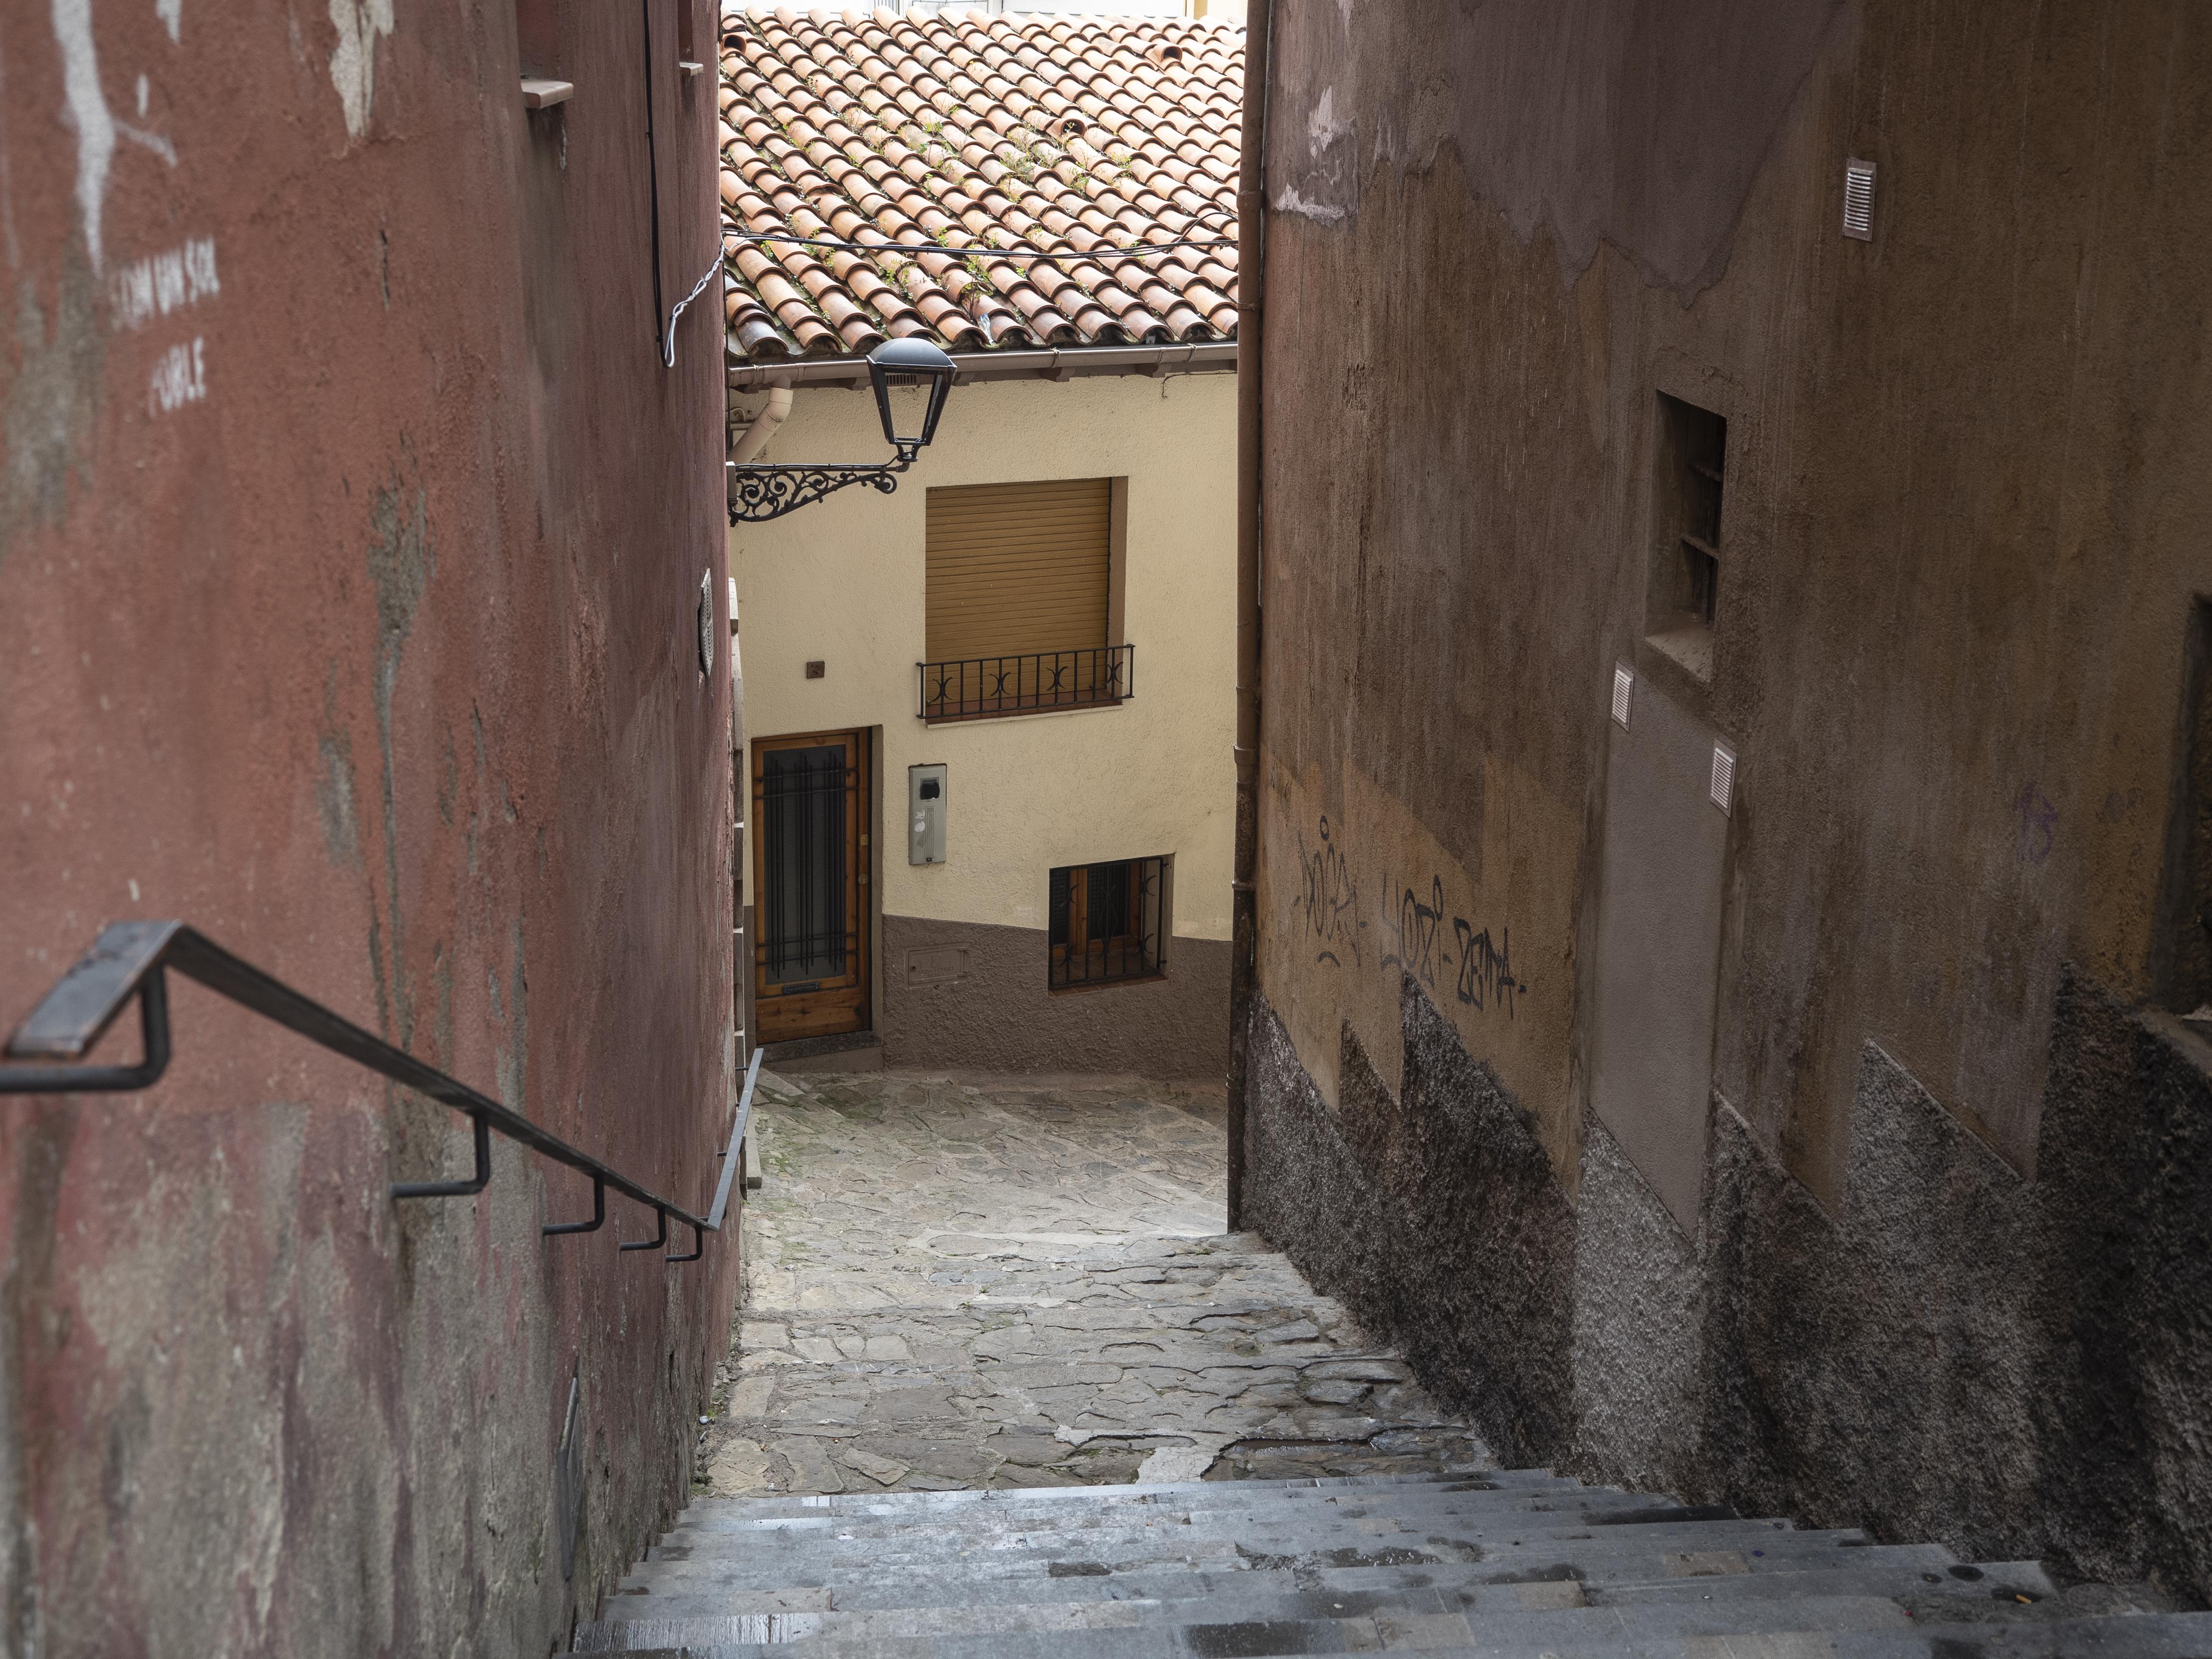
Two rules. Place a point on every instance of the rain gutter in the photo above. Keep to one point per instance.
(1051, 363)
(1251, 274)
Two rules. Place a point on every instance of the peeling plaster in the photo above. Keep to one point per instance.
(334, 800)
(360, 24)
(1589, 120)
(48, 411)
(400, 563)
(512, 1061)
(87, 114)
(85, 109)
(1287, 200)
(1322, 127)
(9, 240)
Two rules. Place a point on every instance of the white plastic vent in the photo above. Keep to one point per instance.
(1724, 775)
(706, 623)
(1623, 684)
(1858, 200)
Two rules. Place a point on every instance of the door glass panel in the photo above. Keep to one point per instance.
(803, 795)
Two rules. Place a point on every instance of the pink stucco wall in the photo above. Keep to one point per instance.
(351, 538)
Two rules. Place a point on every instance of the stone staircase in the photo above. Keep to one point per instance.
(1503, 1562)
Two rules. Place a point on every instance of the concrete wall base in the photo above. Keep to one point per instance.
(2018, 1369)
(974, 997)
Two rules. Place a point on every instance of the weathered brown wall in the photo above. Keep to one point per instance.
(348, 611)
(1962, 536)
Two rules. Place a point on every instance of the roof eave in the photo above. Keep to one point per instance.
(1046, 363)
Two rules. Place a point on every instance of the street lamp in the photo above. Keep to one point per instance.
(759, 492)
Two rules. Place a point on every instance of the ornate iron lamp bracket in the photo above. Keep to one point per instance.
(759, 492)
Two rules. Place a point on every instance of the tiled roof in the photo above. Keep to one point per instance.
(1080, 135)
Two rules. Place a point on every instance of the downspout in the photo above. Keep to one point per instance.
(1251, 271)
(754, 438)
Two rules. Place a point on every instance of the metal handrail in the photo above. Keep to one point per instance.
(128, 960)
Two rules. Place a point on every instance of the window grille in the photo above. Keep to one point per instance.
(1109, 922)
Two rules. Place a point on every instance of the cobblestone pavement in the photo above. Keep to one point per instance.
(957, 1282)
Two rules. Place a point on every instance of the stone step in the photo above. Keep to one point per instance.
(1443, 1501)
(1628, 1629)
(1198, 1571)
(2172, 1636)
(1912, 1581)
(1234, 1602)
(1398, 1615)
(764, 1558)
(1525, 1583)
(1276, 1530)
(933, 1504)
(2168, 1636)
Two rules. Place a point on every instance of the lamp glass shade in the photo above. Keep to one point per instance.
(910, 362)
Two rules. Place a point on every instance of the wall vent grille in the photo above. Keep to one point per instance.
(1623, 684)
(1724, 775)
(1858, 200)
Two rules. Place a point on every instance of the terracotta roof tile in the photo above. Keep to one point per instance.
(1075, 137)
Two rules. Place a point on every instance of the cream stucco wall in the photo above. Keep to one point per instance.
(842, 582)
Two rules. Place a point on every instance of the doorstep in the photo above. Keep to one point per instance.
(848, 1051)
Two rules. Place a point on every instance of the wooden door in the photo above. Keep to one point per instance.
(810, 914)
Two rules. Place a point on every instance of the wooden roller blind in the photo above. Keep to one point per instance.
(1017, 568)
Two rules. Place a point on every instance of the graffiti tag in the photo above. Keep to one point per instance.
(1484, 977)
(1329, 897)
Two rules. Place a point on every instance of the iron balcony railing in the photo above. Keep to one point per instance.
(129, 959)
(977, 687)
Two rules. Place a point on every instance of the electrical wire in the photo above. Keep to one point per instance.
(668, 335)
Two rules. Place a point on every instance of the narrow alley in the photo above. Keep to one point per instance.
(953, 1283)
(1000, 1387)
(1106, 830)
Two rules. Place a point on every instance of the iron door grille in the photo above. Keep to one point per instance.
(808, 921)
(1109, 922)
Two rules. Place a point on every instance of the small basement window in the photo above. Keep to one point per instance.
(1109, 922)
(1689, 465)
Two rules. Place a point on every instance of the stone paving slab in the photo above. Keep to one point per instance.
(954, 1283)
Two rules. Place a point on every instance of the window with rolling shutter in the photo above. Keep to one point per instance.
(1019, 568)
(1019, 604)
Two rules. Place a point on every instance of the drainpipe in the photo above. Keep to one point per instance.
(1251, 255)
(754, 438)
